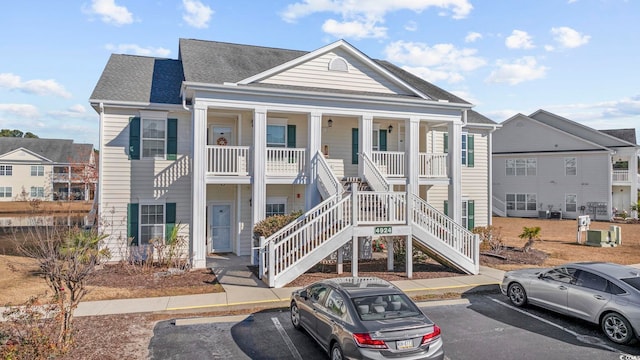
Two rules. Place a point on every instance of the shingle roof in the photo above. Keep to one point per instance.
(59, 151)
(628, 135)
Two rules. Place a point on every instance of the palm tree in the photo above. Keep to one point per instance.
(531, 234)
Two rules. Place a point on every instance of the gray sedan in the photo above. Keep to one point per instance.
(602, 293)
(365, 318)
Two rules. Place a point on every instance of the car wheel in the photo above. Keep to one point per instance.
(517, 295)
(336, 352)
(295, 315)
(617, 328)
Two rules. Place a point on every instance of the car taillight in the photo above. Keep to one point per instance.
(365, 340)
(432, 336)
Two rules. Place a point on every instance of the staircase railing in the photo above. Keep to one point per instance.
(498, 207)
(328, 184)
(372, 175)
(381, 208)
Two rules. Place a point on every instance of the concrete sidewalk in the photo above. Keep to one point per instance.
(243, 291)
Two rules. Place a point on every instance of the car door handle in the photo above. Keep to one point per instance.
(562, 287)
(599, 297)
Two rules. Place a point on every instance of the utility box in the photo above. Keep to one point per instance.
(604, 238)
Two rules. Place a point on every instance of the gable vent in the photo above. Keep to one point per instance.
(338, 64)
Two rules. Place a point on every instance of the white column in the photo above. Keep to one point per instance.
(259, 189)
(490, 178)
(412, 155)
(365, 134)
(455, 171)
(315, 143)
(198, 189)
(633, 176)
(409, 256)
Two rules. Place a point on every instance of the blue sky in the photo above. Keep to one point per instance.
(576, 58)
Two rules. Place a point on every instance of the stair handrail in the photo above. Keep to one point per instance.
(326, 178)
(373, 176)
(444, 228)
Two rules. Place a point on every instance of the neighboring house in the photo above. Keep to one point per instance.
(229, 134)
(544, 162)
(46, 169)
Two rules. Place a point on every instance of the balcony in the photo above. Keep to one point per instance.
(621, 176)
(64, 178)
(285, 162)
(391, 164)
(236, 161)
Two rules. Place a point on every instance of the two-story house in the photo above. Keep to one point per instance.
(46, 169)
(228, 134)
(545, 163)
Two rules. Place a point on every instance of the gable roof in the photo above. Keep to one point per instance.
(628, 135)
(60, 151)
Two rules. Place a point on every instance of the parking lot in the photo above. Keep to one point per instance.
(477, 327)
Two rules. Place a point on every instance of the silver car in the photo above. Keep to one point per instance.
(602, 293)
(365, 318)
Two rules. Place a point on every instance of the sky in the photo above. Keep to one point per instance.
(575, 58)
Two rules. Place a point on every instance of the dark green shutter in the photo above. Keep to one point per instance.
(170, 219)
(445, 143)
(470, 214)
(291, 136)
(446, 207)
(354, 145)
(172, 139)
(383, 140)
(134, 138)
(470, 156)
(132, 224)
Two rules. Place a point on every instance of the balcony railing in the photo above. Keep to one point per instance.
(64, 178)
(391, 164)
(285, 161)
(433, 165)
(621, 175)
(228, 160)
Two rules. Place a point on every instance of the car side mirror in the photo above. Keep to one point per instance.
(304, 295)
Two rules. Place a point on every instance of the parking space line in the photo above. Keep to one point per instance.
(287, 339)
(578, 336)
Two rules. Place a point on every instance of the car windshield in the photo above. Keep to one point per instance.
(377, 307)
(633, 281)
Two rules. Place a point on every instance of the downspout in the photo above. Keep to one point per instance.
(490, 175)
(97, 198)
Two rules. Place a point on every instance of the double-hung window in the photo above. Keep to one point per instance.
(151, 223)
(6, 170)
(153, 136)
(468, 213)
(467, 148)
(522, 202)
(570, 166)
(521, 167)
(5, 192)
(146, 222)
(571, 202)
(37, 170)
(276, 206)
(37, 192)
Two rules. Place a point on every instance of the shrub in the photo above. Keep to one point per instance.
(490, 238)
(272, 224)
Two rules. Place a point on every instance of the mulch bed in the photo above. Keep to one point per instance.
(138, 277)
(513, 255)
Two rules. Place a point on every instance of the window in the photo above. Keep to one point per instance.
(570, 166)
(276, 206)
(521, 167)
(5, 191)
(561, 274)
(276, 136)
(37, 170)
(338, 64)
(521, 202)
(37, 191)
(317, 292)
(468, 153)
(151, 223)
(335, 304)
(153, 138)
(6, 170)
(591, 281)
(468, 213)
(570, 202)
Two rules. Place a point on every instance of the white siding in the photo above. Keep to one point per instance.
(316, 73)
(21, 178)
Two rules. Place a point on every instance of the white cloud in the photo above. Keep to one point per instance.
(19, 110)
(567, 37)
(74, 111)
(519, 40)
(353, 29)
(362, 17)
(439, 62)
(472, 37)
(37, 86)
(196, 14)
(520, 70)
(138, 50)
(628, 107)
(110, 13)
(411, 26)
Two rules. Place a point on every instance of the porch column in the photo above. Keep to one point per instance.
(259, 189)
(365, 134)
(412, 154)
(198, 189)
(633, 176)
(455, 171)
(409, 256)
(315, 143)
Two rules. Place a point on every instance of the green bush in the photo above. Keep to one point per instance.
(270, 225)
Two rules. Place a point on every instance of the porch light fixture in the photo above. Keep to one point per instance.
(330, 123)
(390, 128)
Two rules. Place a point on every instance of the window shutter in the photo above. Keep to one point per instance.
(470, 159)
(383, 140)
(291, 136)
(169, 220)
(471, 214)
(134, 138)
(132, 224)
(445, 143)
(172, 139)
(446, 207)
(354, 145)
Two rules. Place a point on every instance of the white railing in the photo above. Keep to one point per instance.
(375, 208)
(328, 184)
(227, 160)
(433, 165)
(621, 175)
(498, 207)
(285, 161)
(390, 163)
(372, 175)
(445, 229)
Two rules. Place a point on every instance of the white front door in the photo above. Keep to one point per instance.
(220, 227)
(220, 135)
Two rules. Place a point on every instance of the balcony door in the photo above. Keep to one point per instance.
(220, 135)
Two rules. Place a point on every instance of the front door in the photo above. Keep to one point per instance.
(220, 227)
